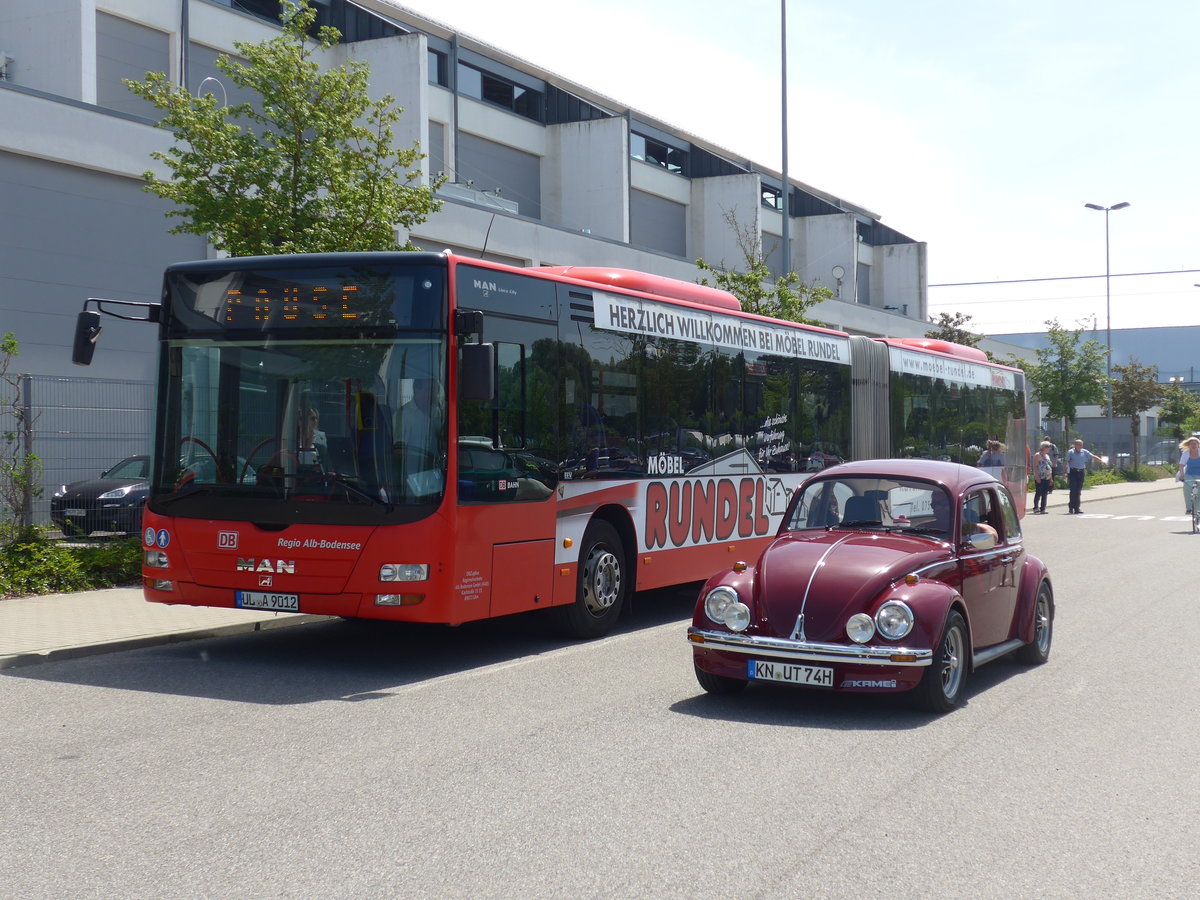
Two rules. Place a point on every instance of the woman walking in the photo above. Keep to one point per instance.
(1043, 478)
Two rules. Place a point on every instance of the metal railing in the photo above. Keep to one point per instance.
(77, 428)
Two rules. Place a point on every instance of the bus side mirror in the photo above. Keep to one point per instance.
(477, 373)
(87, 330)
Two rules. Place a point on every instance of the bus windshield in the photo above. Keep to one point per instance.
(283, 416)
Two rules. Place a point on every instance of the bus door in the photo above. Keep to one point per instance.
(507, 454)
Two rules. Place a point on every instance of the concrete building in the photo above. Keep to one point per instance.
(541, 171)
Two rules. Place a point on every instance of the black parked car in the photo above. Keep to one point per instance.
(111, 502)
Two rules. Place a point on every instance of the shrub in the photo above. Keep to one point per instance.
(36, 565)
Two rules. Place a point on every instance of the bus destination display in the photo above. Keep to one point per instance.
(282, 304)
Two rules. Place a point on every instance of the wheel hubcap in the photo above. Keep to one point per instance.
(602, 581)
(1043, 623)
(952, 663)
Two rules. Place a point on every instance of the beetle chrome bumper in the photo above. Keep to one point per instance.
(809, 651)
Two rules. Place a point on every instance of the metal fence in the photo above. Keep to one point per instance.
(79, 427)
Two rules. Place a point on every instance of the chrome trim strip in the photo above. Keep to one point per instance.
(808, 651)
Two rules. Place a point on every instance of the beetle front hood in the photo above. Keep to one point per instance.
(831, 575)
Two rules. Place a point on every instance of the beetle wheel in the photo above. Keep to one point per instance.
(942, 685)
(1037, 652)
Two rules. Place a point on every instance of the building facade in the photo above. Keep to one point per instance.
(540, 171)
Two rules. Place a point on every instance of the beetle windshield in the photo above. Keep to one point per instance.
(894, 504)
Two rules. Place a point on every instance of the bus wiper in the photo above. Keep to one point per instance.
(350, 487)
(190, 490)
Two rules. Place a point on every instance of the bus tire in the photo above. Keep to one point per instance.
(602, 584)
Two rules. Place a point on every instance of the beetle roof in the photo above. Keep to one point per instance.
(954, 476)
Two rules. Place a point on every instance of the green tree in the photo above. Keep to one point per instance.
(788, 297)
(1135, 389)
(954, 328)
(1179, 406)
(1068, 373)
(308, 168)
(20, 470)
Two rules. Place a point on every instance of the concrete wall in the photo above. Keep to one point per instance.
(584, 178)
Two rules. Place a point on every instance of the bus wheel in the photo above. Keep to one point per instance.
(602, 586)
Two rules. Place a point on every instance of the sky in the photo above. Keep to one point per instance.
(980, 129)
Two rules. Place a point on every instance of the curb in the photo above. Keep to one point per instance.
(32, 658)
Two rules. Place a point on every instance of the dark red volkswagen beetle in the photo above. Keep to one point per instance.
(886, 576)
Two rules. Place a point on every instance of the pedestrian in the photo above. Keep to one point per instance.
(1043, 478)
(993, 455)
(1189, 469)
(1054, 457)
(1077, 463)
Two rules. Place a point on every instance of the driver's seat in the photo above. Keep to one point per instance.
(861, 509)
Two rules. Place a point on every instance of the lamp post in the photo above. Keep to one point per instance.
(1112, 454)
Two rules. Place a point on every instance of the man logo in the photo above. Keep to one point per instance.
(265, 580)
(278, 567)
(227, 540)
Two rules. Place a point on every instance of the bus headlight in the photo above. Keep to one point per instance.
(894, 620)
(155, 559)
(404, 572)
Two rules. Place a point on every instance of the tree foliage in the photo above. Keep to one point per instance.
(1135, 389)
(954, 328)
(788, 297)
(309, 167)
(1068, 373)
(20, 470)
(1179, 406)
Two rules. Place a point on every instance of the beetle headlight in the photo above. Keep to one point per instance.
(894, 620)
(718, 600)
(860, 628)
(723, 607)
(737, 616)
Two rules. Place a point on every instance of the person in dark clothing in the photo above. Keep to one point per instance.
(1077, 463)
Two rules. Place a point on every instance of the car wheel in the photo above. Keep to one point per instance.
(602, 585)
(719, 684)
(1037, 652)
(942, 685)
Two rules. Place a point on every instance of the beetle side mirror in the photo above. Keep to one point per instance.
(984, 540)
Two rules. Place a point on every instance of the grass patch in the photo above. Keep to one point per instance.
(36, 565)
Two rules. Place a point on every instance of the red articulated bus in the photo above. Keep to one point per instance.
(426, 437)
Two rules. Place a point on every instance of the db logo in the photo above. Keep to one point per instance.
(227, 540)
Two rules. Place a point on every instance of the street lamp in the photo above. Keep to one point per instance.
(1112, 454)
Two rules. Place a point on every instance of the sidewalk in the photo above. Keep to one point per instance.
(65, 626)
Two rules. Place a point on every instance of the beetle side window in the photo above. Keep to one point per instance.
(981, 513)
(1012, 522)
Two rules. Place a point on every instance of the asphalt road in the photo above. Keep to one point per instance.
(493, 760)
